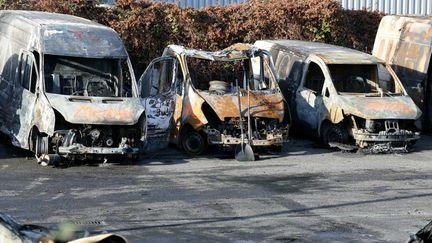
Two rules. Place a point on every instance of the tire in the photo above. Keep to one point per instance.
(193, 142)
(334, 133)
(41, 145)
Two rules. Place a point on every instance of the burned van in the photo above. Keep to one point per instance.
(219, 100)
(67, 89)
(405, 43)
(348, 98)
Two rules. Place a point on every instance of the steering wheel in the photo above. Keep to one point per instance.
(359, 80)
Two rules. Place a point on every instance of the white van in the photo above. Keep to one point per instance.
(67, 89)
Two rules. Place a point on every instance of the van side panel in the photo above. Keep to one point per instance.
(11, 42)
(16, 35)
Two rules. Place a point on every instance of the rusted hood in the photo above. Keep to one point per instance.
(97, 110)
(266, 104)
(396, 107)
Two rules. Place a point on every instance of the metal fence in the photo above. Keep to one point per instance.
(190, 3)
(202, 3)
(401, 7)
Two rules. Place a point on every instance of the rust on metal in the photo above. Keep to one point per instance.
(85, 112)
(208, 101)
(344, 95)
(405, 43)
(262, 104)
(64, 92)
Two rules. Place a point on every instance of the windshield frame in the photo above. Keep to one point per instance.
(396, 81)
(272, 71)
(41, 82)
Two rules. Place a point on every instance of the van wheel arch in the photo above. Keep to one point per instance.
(333, 131)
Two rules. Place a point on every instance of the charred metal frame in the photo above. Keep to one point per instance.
(189, 111)
(45, 121)
(404, 42)
(313, 110)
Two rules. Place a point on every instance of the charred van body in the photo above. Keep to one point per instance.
(68, 89)
(212, 85)
(348, 98)
(405, 43)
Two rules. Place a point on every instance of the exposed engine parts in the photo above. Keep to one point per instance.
(384, 136)
(265, 132)
(97, 139)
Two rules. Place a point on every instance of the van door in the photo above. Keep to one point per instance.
(157, 88)
(309, 99)
(25, 98)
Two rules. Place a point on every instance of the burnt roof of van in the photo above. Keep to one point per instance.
(236, 51)
(68, 35)
(45, 18)
(330, 54)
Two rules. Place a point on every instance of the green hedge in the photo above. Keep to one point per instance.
(147, 28)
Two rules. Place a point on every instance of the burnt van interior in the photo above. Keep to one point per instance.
(362, 79)
(210, 75)
(83, 76)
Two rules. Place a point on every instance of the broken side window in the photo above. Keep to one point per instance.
(34, 72)
(263, 74)
(314, 78)
(179, 81)
(82, 76)
(158, 78)
(125, 78)
(27, 76)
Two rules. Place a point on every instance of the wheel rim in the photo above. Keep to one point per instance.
(194, 143)
(41, 145)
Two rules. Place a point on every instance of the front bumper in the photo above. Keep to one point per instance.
(215, 138)
(384, 141)
(401, 136)
(78, 149)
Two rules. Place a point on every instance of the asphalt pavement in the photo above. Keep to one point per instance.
(304, 194)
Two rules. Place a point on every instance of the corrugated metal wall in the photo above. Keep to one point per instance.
(402, 7)
(202, 3)
(190, 3)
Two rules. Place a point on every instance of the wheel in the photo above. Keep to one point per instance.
(41, 150)
(41, 146)
(193, 143)
(334, 133)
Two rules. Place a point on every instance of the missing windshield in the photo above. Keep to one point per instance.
(83, 76)
(221, 76)
(362, 79)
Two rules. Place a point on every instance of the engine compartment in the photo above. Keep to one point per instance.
(265, 131)
(86, 140)
(384, 135)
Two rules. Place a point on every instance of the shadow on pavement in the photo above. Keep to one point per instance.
(285, 213)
